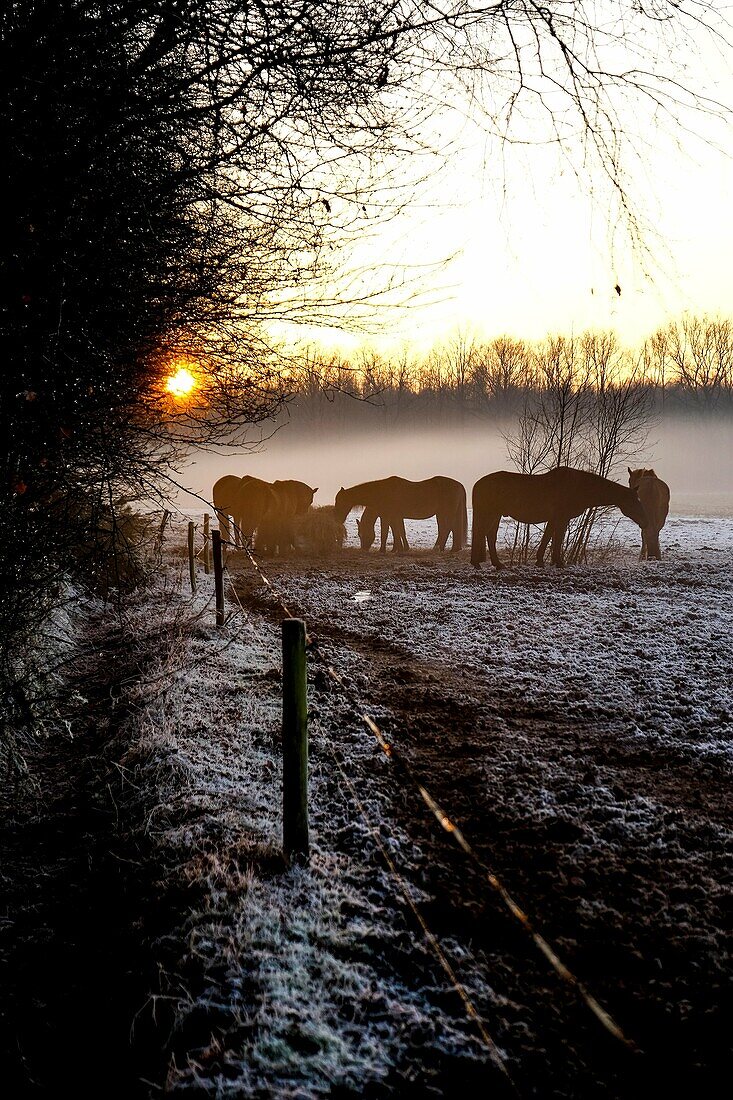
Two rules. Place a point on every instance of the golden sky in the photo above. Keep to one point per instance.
(536, 239)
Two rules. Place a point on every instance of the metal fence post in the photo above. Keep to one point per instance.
(295, 741)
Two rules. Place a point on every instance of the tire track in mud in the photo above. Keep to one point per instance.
(638, 922)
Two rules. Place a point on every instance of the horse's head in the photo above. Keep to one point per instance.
(341, 506)
(635, 476)
(365, 527)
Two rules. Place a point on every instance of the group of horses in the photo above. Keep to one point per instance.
(553, 498)
(269, 508)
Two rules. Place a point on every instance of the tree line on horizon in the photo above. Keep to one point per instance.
(685, 368)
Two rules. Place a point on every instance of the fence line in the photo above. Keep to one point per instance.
(457, 835)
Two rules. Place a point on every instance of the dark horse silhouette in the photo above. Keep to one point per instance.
(247, 500)
(553, 498)
(394, 499)
(654, 495)
(277, 531)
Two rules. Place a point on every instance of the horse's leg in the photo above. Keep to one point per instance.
(492, 528)
(404, 544)
(444, 529)
(455, 529)
(383, 532)
(478, 537)
(644, 546)
(655, 549)
(559, 530)
(544, 543)
(399, 542)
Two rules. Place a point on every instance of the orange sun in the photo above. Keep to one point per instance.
(181, 383)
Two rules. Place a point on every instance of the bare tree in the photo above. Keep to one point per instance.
(590, 410)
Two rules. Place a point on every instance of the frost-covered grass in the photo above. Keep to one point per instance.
(298, 980)
(579, 723)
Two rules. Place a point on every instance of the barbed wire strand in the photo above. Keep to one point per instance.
(459, 838)
(430, 937)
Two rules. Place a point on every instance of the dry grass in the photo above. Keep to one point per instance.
(318, 532)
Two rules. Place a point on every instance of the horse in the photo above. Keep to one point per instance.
(277, 533)
(296, 496)
(248, 500)
(553, 498)
(394, 499)
(654, 495)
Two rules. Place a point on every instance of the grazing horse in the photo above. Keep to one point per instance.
(248, 500)
(553, 498)
(394, 499)
(654, 495)
(277, 533)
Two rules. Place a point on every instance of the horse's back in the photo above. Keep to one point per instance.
(226, 491)
(295, 497)
(414, 499)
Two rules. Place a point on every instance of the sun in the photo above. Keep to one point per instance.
(181, 383)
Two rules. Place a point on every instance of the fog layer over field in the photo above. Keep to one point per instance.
(694, 456)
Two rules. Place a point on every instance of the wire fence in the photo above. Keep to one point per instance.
(452, 829)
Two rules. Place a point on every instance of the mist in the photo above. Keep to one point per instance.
(694, 456)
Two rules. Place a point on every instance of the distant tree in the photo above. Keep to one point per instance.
(590, 409)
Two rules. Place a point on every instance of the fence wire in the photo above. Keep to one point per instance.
(455, 832)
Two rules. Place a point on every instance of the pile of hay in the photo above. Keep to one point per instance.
(318, 532)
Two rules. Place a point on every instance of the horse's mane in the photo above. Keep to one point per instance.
(593, 476)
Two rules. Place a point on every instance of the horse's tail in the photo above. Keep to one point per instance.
(478, 534)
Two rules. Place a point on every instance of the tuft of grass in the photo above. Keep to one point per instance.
(318, 532)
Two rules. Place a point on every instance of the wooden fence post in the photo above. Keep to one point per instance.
(164, 521)
(192, 556)
(295, 741)
(207, 545)
(218, 575)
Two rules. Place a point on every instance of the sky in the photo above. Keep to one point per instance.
(528, 239)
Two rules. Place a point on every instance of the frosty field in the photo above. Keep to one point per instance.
(578, 725)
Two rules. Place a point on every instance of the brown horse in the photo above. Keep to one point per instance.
(295, 496)
(394, 499)
(248, 500)
(277, 532)
(654, 495)
(553, 498)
